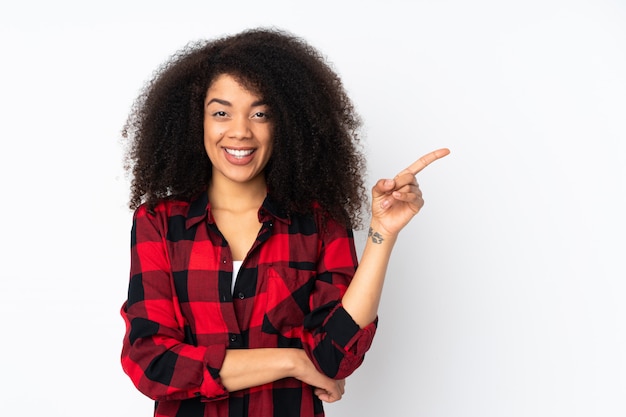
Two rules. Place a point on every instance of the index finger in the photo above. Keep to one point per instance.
(426, 160)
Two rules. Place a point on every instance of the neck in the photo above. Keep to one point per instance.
(234, 196)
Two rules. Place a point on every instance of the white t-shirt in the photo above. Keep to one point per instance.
(236, 268)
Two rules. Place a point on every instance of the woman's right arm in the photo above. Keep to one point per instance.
(246, 368)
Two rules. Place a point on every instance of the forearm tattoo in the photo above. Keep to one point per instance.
(376, 237)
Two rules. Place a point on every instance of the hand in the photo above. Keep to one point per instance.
(326, 388)
(396, 201)
(331, 396)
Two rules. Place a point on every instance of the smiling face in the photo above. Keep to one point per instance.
(237, 131)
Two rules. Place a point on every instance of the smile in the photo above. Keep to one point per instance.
(239, 153)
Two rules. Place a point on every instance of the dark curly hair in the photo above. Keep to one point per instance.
(316, 153)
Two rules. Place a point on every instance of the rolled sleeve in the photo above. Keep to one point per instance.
(164, 368)
(342, 347)
(212, 388)
(344, 332)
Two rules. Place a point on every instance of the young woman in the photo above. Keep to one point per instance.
(245, 298)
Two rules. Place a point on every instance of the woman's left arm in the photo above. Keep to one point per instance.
(394, 203)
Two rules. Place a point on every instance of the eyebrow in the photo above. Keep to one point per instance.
(228, 103)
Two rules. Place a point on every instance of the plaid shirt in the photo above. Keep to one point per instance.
(181, 314)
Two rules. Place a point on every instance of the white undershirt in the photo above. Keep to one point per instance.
(236, 268)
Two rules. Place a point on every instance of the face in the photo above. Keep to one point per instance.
(237, 131)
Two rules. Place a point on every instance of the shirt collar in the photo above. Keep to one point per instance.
(200, 209)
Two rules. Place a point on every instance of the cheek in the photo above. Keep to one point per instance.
(209, 143)
(212, 133)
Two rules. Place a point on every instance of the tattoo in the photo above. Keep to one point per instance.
(376, 237)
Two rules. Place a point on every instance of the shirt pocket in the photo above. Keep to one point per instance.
(287, 292)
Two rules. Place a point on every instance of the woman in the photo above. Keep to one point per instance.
(244, 296)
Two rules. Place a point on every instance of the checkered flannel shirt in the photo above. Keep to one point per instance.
(181, 314)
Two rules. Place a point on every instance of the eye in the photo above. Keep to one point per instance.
(261, 115)
(219, 114)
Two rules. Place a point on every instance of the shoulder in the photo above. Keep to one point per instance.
(171, 213)
(163, 209)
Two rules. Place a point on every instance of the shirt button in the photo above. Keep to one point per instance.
(233, 338)
(241, 296)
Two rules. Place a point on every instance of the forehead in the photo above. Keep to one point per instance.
(230, 83)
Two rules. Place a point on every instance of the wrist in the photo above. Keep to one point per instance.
(377, 234)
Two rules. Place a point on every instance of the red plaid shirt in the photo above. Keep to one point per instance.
(181, 315)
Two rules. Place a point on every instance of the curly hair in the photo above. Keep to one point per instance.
(316, 154)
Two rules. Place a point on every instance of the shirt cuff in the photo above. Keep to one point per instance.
(212, 388)
(345, 332)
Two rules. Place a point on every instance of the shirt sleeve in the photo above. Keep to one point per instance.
(333, 340)
(154, 353)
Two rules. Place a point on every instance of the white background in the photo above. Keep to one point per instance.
(505, 296)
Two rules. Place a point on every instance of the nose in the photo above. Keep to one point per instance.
(239, 128)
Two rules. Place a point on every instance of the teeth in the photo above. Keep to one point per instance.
(239, 153)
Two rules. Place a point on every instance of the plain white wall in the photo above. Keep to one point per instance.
(505, 296)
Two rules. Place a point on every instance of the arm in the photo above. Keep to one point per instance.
(332, 339)
(362, 298)
(160, 361)
(246, 368)
(394, 203)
